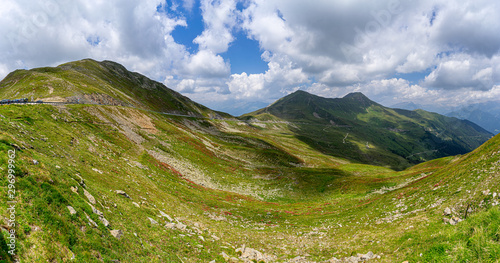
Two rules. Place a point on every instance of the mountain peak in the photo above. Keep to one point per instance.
(356, 95)
(360, 98)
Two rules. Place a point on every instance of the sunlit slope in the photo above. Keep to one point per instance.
(106, 82)
(217, 178)
(152, 187)
(359, 129)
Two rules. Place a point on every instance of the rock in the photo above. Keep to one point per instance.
(104, 221)
(225, 256)
(252, 254)
(58, 167)
(201, 238)
(96, 211)
(352, 259)
(486, 192)
(116, 233)
(455, 220)
(213, 261)
(215, 237)
(447, 211)
(180, 226)
(495, 195)
(170, 225)
(140, 165)
(35, 162)
(136, 204)
(91, 222)
(72, 211)
(297, 259)
(153, 222)
(97, 170)
(82, 182)
(167, 216)
(121, 192)
(89, 197)
(74, 189)
(366, 256)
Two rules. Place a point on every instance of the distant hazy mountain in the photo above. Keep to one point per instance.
(486, 115)
(407, 106)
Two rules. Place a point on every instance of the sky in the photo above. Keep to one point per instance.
(241, 55)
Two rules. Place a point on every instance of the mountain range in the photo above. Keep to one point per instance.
(124, 169)
(362, 130)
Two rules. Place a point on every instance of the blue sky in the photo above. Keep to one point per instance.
(239, 55)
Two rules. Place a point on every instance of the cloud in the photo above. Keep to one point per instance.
(464, 71)
(327, 47)
(219, 17)
(206, 64)
(55, 31)
(281, 78)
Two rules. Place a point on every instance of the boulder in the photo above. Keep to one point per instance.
(170, 225)
(455, 220)
(121, 192)
(72, 211)
(153, 222)
(366, 256)
(116, 233)
(91, 222)
(89, 197)
(180, 226)
(167, 216)
(96, 211)
(104, 221)
(447, 211)
(82, 182)
(252, 254)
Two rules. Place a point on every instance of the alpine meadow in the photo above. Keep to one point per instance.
(102, 164)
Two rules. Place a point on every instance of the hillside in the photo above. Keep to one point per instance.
(356, 128)
(114, 183)
(90, 82)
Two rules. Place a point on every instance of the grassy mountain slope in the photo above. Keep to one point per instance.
(202, 188)
(359, 129)
(106, 82)
(222, 179)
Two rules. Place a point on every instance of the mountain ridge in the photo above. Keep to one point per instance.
(90, 81)
(114, 183)
(401, 137)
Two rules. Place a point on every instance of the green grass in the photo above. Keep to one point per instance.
(283, 189)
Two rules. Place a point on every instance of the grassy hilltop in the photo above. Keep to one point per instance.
(148, 187)
(356, 128)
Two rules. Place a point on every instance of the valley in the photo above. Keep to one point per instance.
(306, 179)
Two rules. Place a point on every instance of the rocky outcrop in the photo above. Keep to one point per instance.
(250, 254)
(121, 192)
(72, 211)
(116, 233)
(89, 197)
